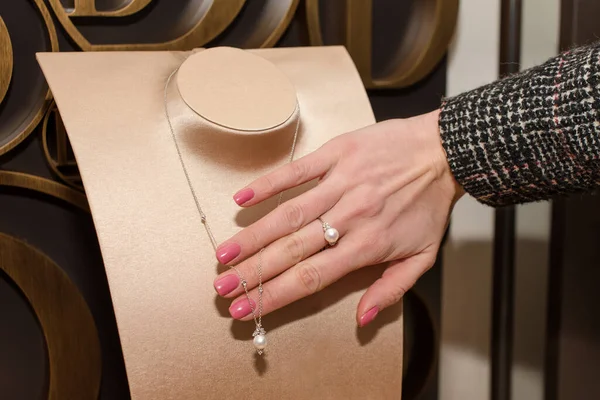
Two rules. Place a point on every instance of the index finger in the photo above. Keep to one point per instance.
(295, 173)
(290, 217)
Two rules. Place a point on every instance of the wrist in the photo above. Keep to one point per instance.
(440, 160)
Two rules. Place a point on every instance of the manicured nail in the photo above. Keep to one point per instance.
(243, 196)
(226, 284)
(240, 309)
(228, 252)
(369, 316)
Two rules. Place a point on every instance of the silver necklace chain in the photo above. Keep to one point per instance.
(257, 319)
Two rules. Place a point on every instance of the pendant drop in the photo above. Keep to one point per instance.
(260, 339)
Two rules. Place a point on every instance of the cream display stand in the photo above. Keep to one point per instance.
(234, 113)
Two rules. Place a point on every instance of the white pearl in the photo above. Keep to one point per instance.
(332, 235)
(260, 342)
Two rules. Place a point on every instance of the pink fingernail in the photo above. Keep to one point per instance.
(226, 284)
(369, 316)
(240, 309)
(228, 252)
(243, 196)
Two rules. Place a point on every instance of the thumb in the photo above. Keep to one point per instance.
(399, 277)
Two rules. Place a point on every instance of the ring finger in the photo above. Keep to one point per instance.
(277, 257)
(290, 217)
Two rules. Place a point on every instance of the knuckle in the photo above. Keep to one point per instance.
(248, 271)
(269, 185)
(351, 145)
(299, 171)
(294, 246)
(269, 298)
(294, 216)
(310, 277)
(253, 238)
(371, 242)
(375, 247)
(396, 295)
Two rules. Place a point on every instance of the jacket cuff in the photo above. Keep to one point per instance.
(529, 136)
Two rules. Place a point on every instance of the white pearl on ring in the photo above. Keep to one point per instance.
(260, 342)
(331, 235)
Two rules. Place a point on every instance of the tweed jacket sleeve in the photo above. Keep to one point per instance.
(529, 136)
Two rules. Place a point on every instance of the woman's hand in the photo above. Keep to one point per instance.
(386, 188)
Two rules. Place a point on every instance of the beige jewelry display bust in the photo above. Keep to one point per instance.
(234, 113)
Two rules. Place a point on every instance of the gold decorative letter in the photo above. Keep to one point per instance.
(87, 8)
(74, 357)
(30, 117)
(424, 44)
(216, 18)
(6, 59)
(55, 144)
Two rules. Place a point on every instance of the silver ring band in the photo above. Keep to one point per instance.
(330, 234)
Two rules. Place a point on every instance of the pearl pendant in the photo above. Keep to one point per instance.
(260, 342)
(260, 339)
(332, 235)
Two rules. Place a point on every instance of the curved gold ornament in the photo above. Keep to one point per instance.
(60, 161)
(39, 113)
(87, 8)
(275, 21)
(313, 22)
(45, 186)
(68, 326)
(6, 60)
(424, 44)
(216, 19)
(220, 14)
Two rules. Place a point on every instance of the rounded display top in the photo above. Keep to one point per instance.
(236, 89)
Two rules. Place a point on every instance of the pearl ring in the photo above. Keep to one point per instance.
(331, 234)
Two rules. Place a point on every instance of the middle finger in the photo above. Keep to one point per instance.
(290, 217)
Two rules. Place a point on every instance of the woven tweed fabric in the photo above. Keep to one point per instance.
(529, 136)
